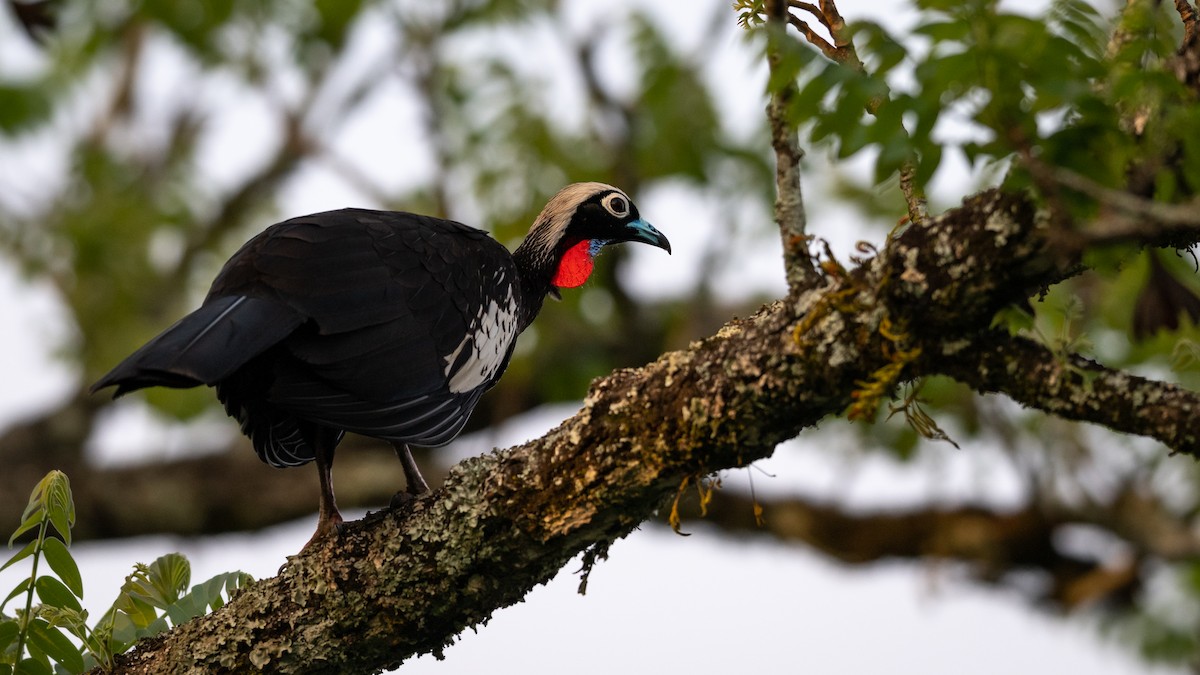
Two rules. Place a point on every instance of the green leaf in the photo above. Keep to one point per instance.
(206, 595)
(51, 498)
(168, 578)
(60, 560)
(54, 644)
(892, 155)
(22, 587)
(22, 107)
(881, 51)
(336, 16)
(32, 521)
(37, 498)
(148, 588)
(20, 555)
(32, 666)
(124, 632)
(1185, 356)
(155, 627)
(9, 629)
(196, 24)
(1014, 319)
(74, 621)
(188, 607)
(139, 612)
(59, 504)
(930, 159)
(54, 593)
(944, 31)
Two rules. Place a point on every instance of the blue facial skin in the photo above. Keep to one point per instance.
(595, 246)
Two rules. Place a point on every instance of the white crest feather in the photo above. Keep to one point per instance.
(552, 222)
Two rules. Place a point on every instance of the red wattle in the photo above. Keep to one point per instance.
(575, 266)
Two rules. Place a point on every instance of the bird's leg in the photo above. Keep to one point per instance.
(414, 482)
(329, 519)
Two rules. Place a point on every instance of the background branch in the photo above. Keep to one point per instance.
(1072, 387)
(994, 546)
(1126, 218)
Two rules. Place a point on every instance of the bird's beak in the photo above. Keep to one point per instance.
(640, 230)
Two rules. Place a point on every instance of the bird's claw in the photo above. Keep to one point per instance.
(331, 526)
(402, 499)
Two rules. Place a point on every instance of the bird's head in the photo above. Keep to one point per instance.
(576, 224)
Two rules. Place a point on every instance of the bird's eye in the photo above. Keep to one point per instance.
(616, 205)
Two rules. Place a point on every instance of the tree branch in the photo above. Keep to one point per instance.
(405, 582)
(1129, 217)
(1074, 388)
(994, 544)
(1191, 22)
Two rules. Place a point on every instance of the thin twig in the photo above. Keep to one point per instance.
(231, 210)
(802, 274)
(813, 38)
(1191, 21)
(1171, 215)
(846, 54)
(841, 50)
(914, 196)
(132, 42)
(811, 9)
(1136, 218)
(352, 174)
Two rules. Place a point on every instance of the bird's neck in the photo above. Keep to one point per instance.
(536, 267)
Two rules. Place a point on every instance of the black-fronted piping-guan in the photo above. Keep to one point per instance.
(382, 323)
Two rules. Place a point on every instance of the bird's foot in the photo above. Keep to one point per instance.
(402, 499)
(409, 494)
(327, 526)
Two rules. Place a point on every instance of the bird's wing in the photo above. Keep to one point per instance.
(205, 346)
(397, 306)
(428, 420)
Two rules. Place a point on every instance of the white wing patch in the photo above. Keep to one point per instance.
(488, 338)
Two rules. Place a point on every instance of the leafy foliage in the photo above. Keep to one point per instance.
(38, 638)
(32, 638)
(1036, 87)
(155, 597)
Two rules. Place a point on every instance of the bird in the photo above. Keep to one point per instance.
(386, 324)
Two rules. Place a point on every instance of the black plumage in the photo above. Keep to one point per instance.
(387, 324)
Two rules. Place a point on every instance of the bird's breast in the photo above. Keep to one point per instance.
(479, 358)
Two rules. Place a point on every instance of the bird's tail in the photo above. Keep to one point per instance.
(205, 346)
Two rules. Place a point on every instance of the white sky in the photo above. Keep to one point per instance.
(706, 603)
